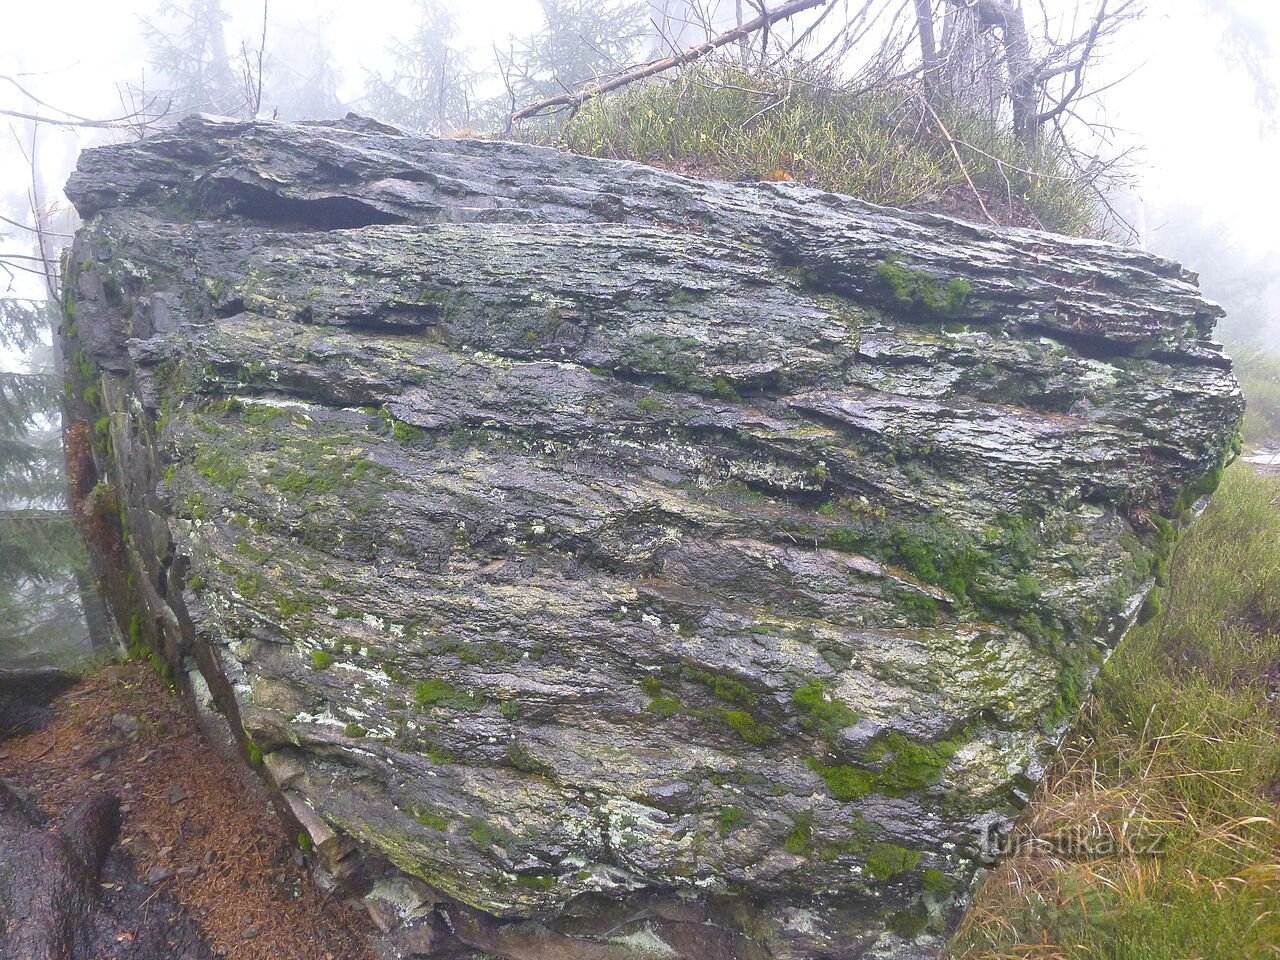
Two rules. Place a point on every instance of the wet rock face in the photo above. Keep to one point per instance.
(605, 563)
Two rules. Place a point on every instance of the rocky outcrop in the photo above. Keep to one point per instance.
(606, 563)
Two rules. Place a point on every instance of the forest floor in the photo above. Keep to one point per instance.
(196, 830)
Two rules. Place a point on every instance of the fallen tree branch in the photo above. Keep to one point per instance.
(576, 99)
(955, 152)
(88, 124)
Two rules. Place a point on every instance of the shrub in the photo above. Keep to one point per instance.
(880, 145)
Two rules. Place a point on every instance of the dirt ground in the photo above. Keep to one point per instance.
(192, 827)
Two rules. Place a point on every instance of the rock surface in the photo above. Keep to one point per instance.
(604, 563)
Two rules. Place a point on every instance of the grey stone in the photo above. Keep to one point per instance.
(159, 874)
(630, 558)
(125, 724)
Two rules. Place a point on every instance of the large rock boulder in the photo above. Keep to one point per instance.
(606, 563)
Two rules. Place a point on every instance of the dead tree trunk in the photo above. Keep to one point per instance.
(1023, 92)
(1022, 76)
(928, 46)
(49, 879)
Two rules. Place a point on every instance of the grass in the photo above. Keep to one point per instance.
(1259, 374)
(883, 146)
(1156, 834)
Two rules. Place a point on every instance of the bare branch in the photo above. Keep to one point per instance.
(1090, 40)
(578, 98)
(955, 152)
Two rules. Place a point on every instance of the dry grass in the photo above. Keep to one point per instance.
(1156, 834)
(884, 146)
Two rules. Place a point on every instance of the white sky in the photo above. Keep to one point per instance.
(1194, 113)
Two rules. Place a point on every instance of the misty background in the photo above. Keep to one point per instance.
(1182, 109)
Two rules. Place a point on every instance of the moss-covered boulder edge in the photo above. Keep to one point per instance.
(595, 559)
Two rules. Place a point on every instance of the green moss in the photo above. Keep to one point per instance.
(536, 881)
(321, 660)
(800, 840)
(920, 608)
(746, 726)
(665, 706)
(485, 834)
(1205, 485)
(354, 730)
(935, 881)
(649, 404)
(933, 549)
(912, 765)
(292, 606)
(910, 923)
(429, 818)
(263, 414)
(83, 366)
(249, 583)
(255, 754)
(729, 819)
(437, 755)
(1152, 605)
(509, 710)
(845, 782)
(440, 693)
(920, 291)
(304, 842)
(740, 721)
(820, 710)
(137, 642)
(319, 466)
(406, 433)
(723, 389)
(722, 687)
(1071, 683)
(887, 860)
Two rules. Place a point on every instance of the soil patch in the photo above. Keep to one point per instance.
(194, 827)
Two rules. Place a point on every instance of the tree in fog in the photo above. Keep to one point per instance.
(302, 80)
(677, 24)
(43, 568)
(431, 86)
(1246, 42)
(187, 48)
(579, 41)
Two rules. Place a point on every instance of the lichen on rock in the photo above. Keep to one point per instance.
(616, 561)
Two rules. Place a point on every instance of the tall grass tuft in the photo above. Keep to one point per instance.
(1156, 834)
(882, 145)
